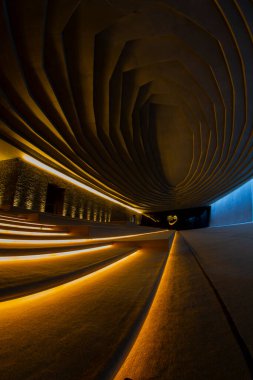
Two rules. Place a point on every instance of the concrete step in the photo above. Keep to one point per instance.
(24, 275)
(81, 329)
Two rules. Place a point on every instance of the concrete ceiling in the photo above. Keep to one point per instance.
(149, 101)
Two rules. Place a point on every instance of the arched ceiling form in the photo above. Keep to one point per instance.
(148, 101)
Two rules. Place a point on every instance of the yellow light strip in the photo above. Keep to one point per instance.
(53, 255)
(149, 326)
(29, 233)
(58, 288)
(72, 241)
(11, 217)
(21, 221)
(55, 172)
(25, 227)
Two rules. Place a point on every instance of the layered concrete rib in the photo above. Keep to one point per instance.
(147, 101)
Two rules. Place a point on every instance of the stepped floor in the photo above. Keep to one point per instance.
(32, 274)
(127, 306)
(80, 330)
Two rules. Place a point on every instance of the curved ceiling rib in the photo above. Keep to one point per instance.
(147, 101)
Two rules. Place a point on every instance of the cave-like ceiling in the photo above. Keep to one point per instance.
(150, 101)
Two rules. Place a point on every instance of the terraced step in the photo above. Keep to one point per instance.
(22, 243)
(30, 234)
(24, 275)
(33, 252)
(21, 226)
(23, 221)
(82, 329)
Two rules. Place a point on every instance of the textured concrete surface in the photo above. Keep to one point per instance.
(226, 255)
(186, 335)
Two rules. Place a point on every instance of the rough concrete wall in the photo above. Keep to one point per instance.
(31, 188)
(31, 192)
(8, 179)
(234, 208)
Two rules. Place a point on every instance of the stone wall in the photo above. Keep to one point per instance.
(8, 180)
(25, 186)
(31, 188)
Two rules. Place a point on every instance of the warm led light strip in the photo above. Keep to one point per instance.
(65, 177)
(72, 241)
(11, 217)
(29, 233)
(146, 328)
(58, 288)
(53, 255)
(25, 227)
(16, 220)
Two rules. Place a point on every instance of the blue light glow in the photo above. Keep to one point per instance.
(234, 208)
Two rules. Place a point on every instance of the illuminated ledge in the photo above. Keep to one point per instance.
(53, 255)
(32, 233)
(22, 221)
(62, 287)
(25, 227)
(39, 242)
(147, 329)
